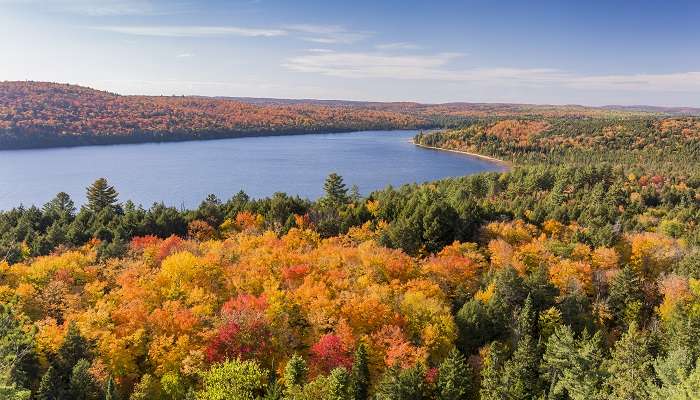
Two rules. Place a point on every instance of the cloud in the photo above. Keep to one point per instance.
(436, 67)
(397, 46)
(192, 31)
(327, 34)
(184, 55)
(100, 8)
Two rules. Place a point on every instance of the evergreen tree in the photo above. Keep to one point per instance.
(51, 386)
(625, 297)
(521, 373)
(73, 349)
(82, 384)
(574, 368)
(407, 384)
(336, 192)
(339, 384)
(60, 207)
(631, 367)
(491, 387)
(101, 195)
(360, 373)
(455, 378)
(111, 392)
(295, 371)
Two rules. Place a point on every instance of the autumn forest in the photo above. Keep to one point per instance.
(573, 275)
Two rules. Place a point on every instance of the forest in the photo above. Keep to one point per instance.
(574, 275)
(42, 114)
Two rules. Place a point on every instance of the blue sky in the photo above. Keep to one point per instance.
(556, 52)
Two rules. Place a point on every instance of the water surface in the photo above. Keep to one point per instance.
(184, 173)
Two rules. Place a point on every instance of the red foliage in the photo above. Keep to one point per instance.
(245, 332)
(329, 353)
(139, 243)
(169, 246)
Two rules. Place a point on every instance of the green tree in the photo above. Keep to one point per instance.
(406, 384)
(574, 367)
(335, 190)
(146, 389)
(111, 391)
(625, 297)
(339, 384)
(73, 349)
(18, 361)
(491, 373)
(631, 367)
(360, 373)
(455, 378)
(101, 195)
(82, 384)
(295, 371)
(51, 386)
(234, 379)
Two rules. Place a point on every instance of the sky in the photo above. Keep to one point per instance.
(547, 52)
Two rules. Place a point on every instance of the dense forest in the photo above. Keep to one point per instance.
(40, 114)
(574, 275)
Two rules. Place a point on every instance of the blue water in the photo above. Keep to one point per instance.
(184, 173)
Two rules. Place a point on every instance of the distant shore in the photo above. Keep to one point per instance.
(475, 155)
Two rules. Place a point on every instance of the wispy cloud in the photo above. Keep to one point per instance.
(436, 67)
(101, 8)
(184, 55)
(192, 31)
(397, 46)
(328, 34)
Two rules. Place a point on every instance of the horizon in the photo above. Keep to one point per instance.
(596, 54)
(308, 99)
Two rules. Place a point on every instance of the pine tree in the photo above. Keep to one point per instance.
(491, 387)
(336, 192)
(101, 195)
(521, 372)
(407, 384)
(73, 349)
(455, 378)
(631, 367)
(111, 392)
(339, 384)
(626, 297)
(295, 371)
(360, 373)
(51, 386)
(82, 384)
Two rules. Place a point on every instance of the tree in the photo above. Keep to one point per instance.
(234, 379)
(455, 378)
(82, 384)
(295, 371)
(336, 192)
(339, 384)
(574, 367)
(626, 297)
(631, 367)
(111, 391)
(403, 384)
(60, 207)
(101, 195)
(51, 386)
(360, 373)
(73, 349)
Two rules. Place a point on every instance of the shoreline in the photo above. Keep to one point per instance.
(503, 163)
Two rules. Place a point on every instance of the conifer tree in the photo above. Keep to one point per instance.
(631, 367)
(51, 386)
(82, 384)
(455, 378)
(360, 373)
(101, 195)
(335, 190)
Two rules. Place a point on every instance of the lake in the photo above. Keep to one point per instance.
(182, 174)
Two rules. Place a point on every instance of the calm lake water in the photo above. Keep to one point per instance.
(184, 173)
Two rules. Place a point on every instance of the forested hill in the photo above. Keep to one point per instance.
(39, 114)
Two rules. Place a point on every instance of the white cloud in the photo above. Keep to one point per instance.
(192, 31)
(185, 55)
(99, 8)
(328, 34)
(436, 67)
(397, 46)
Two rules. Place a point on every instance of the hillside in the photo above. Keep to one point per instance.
(40, 114)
